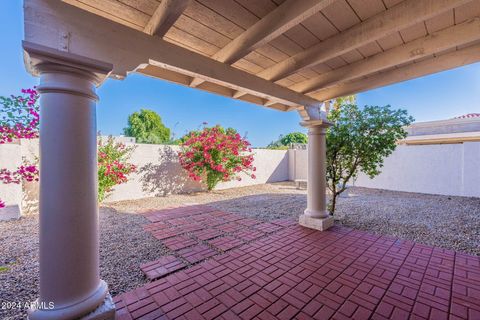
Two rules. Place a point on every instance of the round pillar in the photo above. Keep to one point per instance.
(316, 183)
(70, 285)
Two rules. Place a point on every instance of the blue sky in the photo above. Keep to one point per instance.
(439, 96)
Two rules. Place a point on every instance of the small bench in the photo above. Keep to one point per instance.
(300, 183)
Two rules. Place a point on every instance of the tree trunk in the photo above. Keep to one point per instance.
(334, 202)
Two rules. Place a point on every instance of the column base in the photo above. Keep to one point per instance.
(320, 224)
(317, 214)
(100, 302)
(106, 311)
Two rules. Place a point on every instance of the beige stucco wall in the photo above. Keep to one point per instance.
(297, 164)
(158, 174)
(11, 194)
(448, 169)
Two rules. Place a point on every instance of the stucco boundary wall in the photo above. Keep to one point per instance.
(158, 173)
(446, 169)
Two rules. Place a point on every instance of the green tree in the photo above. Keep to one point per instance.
(284, 141)
(338, 102)
(147, 127)
(358, 141)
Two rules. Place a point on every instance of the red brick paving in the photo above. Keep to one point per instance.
(297, 273)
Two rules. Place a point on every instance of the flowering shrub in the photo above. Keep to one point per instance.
(27, 172)
(19, 116)
(113, 166)
(216, 154)
(19, 119)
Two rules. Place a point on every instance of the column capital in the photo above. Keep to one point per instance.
(316, 126)
(316, 123)
(39, 59)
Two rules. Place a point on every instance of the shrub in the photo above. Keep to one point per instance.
(19, 116)
(19, 119)
(27, 172)
(113, 166)
(359, 140)
(216, 154)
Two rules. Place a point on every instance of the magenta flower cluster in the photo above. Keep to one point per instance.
(27, 173)
(113, 165)
(19, 117)
(216, 154)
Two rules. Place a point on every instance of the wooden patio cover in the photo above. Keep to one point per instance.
(290, 54)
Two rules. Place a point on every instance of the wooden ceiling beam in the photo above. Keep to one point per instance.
(167, 12)
(461, 57)
(404, 14)
(238, 94)
(451, 37)
(130, 50)
(287, 15)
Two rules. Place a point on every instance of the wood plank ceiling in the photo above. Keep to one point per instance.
(328, 49)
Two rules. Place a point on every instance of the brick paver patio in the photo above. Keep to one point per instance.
(279, 270)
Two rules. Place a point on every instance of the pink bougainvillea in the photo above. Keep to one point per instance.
(113, 165)
(19, 119)
(27, 172)
(19, 116)
(216, 154)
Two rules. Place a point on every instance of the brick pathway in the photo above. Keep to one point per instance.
(284, 271)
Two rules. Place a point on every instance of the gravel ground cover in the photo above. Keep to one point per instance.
(449, 222)
(444, 221)
(124, 245)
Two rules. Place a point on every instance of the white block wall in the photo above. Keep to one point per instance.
(158, 173)
(11, 194)
(448, 169)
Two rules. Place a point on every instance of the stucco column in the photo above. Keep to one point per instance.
(70, 285)
(316, 215)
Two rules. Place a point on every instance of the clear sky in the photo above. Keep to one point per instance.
(439, 96)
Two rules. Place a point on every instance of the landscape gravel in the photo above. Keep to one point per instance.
(124, 245)
(444, 221)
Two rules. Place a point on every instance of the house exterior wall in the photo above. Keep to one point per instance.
(444, 126)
